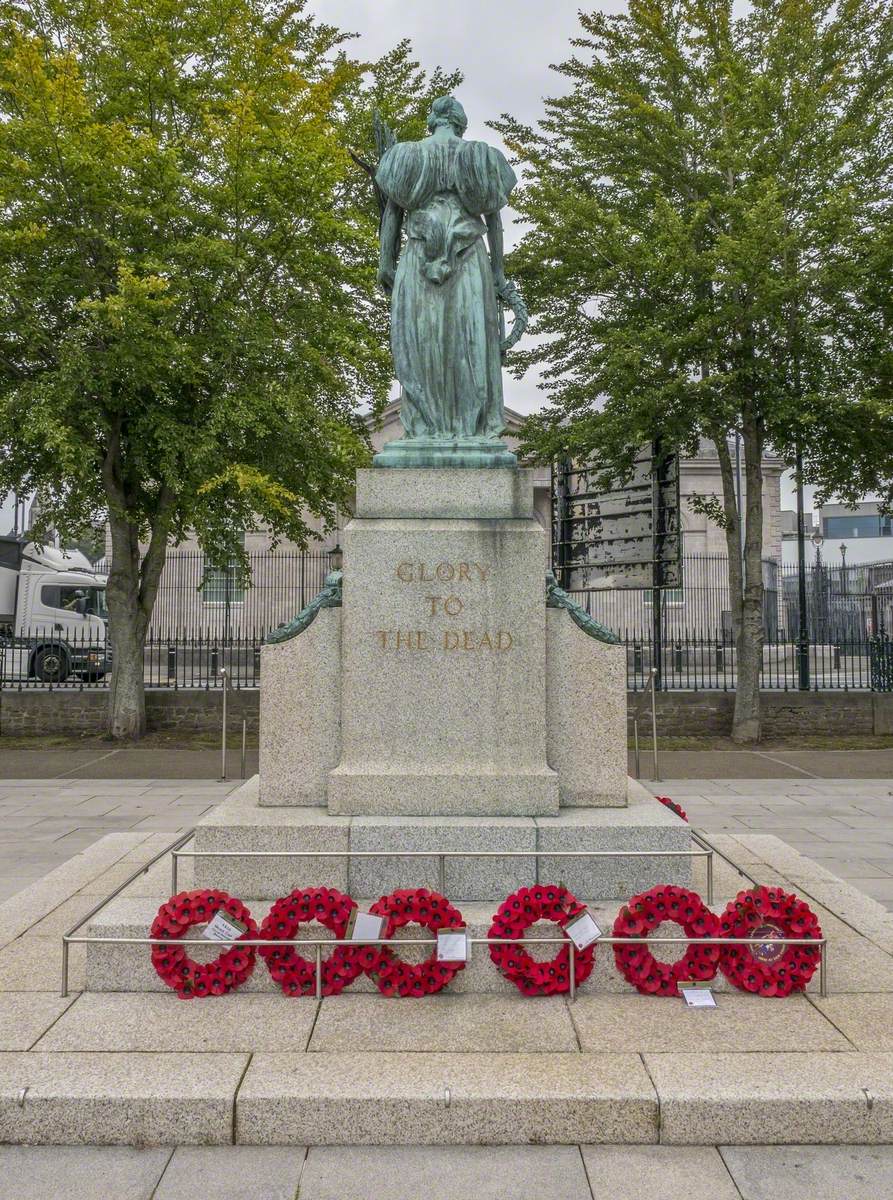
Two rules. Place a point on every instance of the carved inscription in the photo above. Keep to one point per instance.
(437, 606)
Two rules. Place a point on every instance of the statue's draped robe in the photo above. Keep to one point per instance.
(445, 321)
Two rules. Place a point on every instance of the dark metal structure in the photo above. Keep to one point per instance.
(622, 538)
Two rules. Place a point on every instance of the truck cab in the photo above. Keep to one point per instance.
(53, 616)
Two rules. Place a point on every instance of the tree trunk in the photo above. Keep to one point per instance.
(127, 632)
(746, 720)
(131, 590)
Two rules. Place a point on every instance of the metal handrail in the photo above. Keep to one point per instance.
(705, 852)
(636, 713)
(321, 943)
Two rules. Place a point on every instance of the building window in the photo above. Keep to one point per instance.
(857, 525)
(221, 585)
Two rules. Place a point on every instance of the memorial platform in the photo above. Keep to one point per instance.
(462, 1067)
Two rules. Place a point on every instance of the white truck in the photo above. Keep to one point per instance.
(53, 616)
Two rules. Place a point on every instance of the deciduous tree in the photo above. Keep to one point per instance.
(188, 317)
(709, 206)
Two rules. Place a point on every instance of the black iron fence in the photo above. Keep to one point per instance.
(205, 623)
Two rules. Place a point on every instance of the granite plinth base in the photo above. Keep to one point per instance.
(239, 824)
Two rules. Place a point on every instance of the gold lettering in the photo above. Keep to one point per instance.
(424, 577)
(503, 640)
(445, 572)
(433, 601)
(382, 635)
(464, 572)
(404, 572)
(467, 639)
(482, 571)
(421, 640)
(485, 641)
(450, 639)
(452, 606)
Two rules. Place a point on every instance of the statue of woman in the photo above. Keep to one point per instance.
(446, 324)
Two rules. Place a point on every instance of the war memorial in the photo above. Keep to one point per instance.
(443, 763)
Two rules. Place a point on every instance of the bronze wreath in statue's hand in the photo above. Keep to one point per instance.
(510, 296)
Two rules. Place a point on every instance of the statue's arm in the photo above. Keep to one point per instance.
(389, 237)
(494, 237)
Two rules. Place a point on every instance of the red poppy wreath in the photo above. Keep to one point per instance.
(182, 973)
(641, 916)
(516, 914)
(769, 969)
(395, 977)
(297, 975)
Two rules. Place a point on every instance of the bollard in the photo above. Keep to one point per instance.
(225, 677)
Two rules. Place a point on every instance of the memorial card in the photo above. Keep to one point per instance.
(582, 929)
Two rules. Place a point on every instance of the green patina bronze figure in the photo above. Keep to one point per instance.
(447, 293)
(329, 597)
(557, 597)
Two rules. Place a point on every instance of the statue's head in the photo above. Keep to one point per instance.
(446, 110)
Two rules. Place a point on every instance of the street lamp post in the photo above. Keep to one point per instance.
(843, 578)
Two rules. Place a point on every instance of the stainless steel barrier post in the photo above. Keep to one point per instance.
(174, 872)
(244, 746)
(225, 675)
(710, 878)
(656, 776)
(823, 975)
(573, 965)
(441, 875)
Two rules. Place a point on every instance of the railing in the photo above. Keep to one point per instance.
(703, 848)
(690, 660)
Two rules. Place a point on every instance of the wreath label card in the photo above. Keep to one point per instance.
(364, 926)
(453, 945)
(224, 928)
(582, 929)
(697, 997)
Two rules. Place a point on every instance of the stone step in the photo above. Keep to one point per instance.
(239, 824)
(128, 968)
(559, 1097)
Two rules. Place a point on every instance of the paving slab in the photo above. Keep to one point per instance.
(118, 1099)
(811, 1172)
(444, 1022)
(865, 1018)
(233, 1173)
(134, 1021)
(24, 1016)
(89, 1172)
(738, 1023)
(749, 1099)
(648, 1172)
(29, 905)
(444, 1173)
(445, 1099)
(34, 964)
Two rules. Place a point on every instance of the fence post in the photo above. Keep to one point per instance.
(225, 678)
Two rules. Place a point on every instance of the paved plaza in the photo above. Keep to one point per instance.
(448, 1173)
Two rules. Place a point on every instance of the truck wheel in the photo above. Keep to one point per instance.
(51, 664)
